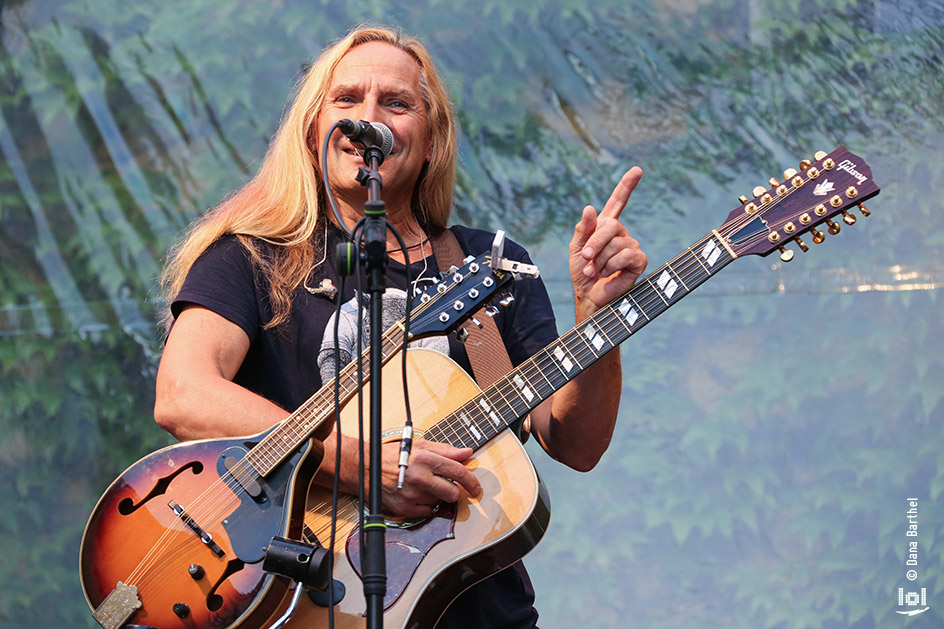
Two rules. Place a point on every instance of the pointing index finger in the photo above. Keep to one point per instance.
(617, 201)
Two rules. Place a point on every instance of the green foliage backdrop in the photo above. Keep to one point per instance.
(773, 425)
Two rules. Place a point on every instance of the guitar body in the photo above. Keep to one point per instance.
(180, 507)
(429, 563)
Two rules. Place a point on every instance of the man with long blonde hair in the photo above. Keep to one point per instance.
(251, 288)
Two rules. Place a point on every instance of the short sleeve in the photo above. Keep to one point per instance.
(222, 280)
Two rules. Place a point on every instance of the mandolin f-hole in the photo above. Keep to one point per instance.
(127, 506)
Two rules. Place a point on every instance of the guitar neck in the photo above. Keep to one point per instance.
(287, 436)
(486, 415)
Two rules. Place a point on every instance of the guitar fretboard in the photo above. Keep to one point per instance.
(487, 414)
(288, 435)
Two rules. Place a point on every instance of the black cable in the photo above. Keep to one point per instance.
(335, 486)
(324, 176)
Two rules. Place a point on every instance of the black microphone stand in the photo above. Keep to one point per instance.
(375, 243)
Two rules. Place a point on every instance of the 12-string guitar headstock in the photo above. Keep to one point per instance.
(806, 201)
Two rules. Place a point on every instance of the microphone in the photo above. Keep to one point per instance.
(368, 135)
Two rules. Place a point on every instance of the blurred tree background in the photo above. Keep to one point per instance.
(773, 425)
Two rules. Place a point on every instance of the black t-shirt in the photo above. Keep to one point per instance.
(289, 363)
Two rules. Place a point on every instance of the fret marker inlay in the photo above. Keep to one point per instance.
(667, 284)
(562, 359)
(595, 339)
(471, 426)
(711, 252)
(523, 386)
(629, 313)
(488, 410)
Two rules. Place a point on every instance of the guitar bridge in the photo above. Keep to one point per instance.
(205, 537)
(117, 606)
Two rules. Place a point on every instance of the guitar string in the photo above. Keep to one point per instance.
(683, 274)
(610, 322)
(606, 323)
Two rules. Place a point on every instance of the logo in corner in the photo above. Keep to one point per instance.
(912, 599)
(823, 188)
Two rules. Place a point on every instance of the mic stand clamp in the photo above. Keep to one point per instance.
(304, 564)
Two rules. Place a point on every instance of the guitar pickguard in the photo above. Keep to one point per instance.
(406, 548)
(250, 526)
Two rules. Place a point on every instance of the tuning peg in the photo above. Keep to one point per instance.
(848, 219)
(475, 321)
(818, 155)
(833, 227)
(802, 245)
(865, 211)
(462, 335)
(773, 182)
(507, 299)
(805, 164)
(743, 199)
(759, 190)
(789, 174)
(785, 254)
(818, 236)
(491, 311)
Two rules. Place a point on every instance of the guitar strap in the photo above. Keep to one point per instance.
(486, 350)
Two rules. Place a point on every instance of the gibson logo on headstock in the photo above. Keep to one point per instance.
(849, 167)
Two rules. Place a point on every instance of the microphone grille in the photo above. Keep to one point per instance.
(387, 135)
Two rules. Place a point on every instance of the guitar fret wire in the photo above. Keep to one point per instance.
(504, 399)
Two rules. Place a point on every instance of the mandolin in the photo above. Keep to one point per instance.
(179, 539)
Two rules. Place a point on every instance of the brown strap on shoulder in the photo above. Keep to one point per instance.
(486, 350)
(485, 347)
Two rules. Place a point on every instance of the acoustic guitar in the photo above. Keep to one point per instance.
(431, 562)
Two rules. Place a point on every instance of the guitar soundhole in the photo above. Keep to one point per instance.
(126, 506)
(214, 602)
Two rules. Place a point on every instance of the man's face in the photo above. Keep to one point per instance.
(377, 82)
